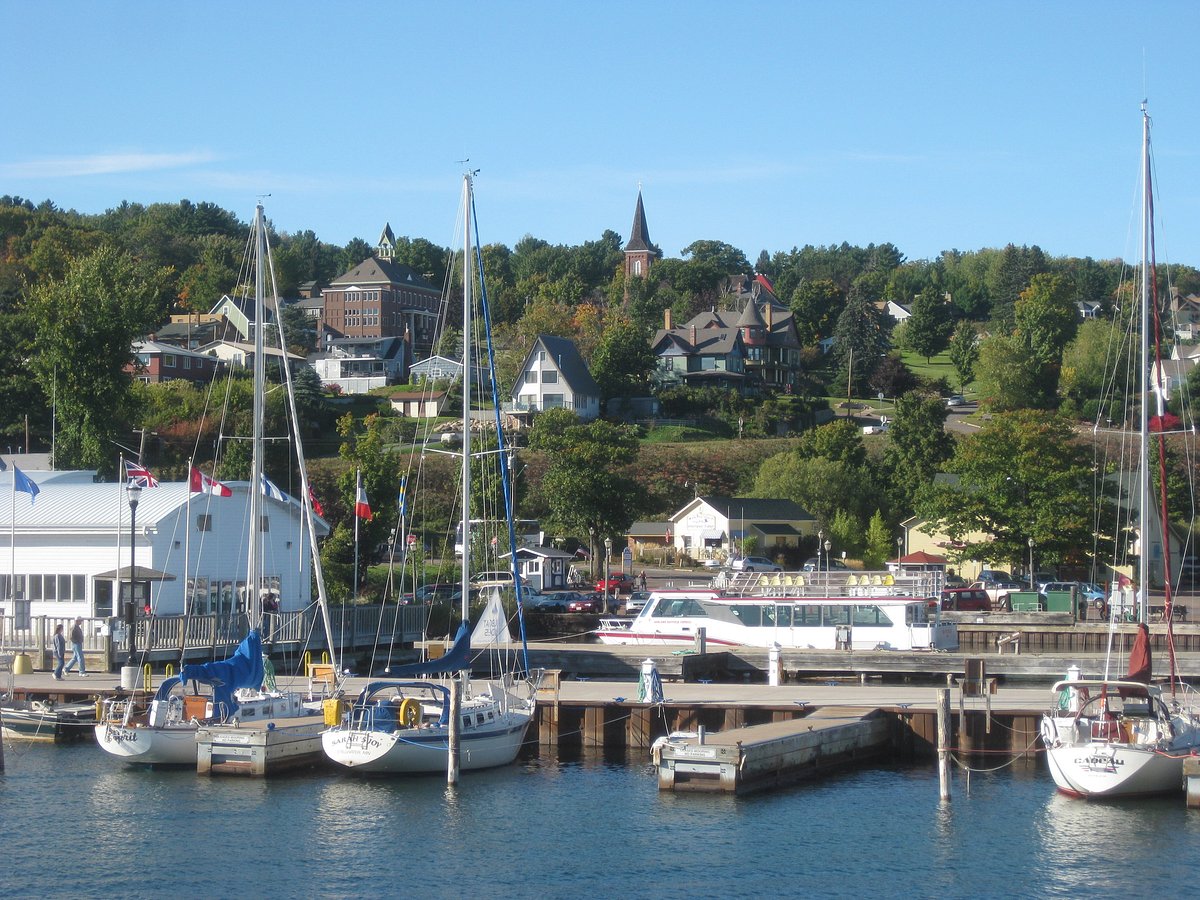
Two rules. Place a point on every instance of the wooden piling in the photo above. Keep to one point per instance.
(943, 708)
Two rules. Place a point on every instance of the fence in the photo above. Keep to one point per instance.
(163, 638)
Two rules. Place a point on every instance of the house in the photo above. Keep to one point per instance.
(897, 311)
(648, 539)
(191, 331)
(156, 362)
(543, 568)
(381, 297)
(1185, 315)
(356, 365)
(555, 376)
(699, 357)
(1172, 375)
(436, 368)
(768, 342)
(238, 353)
(715, 526)
(238, 315)
(72, 548)
(419, 404)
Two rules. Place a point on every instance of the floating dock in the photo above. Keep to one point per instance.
(759, 757)
(259, 748)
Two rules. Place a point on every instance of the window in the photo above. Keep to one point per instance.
(204, 522)
(550, 376)
(836, 615)
(531, 377)
(552, 401)
(871, 616)
(806, 616)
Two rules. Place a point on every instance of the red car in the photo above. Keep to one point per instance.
(966, 600)
(618, 583)
(586, 603)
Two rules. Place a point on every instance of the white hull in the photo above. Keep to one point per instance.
(425, 750)
(148, 745)
(1113, 770)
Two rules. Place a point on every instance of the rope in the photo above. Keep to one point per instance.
(970, 769)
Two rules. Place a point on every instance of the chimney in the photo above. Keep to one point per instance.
(770, 316)
(693, 335)
(667, 318)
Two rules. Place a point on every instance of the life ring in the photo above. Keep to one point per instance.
(409, 715)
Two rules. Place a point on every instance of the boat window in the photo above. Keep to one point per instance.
(870, 616)
(806, 616)
(466, 721)
(479, 720)
(914, 614)
(749, 614)
(783, 616)
(835, 615)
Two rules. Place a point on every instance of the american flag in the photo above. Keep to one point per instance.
(139, 475)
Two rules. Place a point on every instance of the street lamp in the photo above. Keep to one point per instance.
(133, 492)
(899, 550)
(827, 561)
(607, 560)
(820, 537)
(1032, 586)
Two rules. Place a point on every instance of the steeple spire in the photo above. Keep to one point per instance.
(638, 251)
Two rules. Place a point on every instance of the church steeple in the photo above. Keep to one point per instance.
(387, 243)
(639, 252)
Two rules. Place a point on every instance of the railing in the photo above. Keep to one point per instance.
(834, 583)
(353, 628)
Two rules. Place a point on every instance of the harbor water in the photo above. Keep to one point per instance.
(573, 826)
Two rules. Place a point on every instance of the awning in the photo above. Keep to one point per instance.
(712, 535)
(140, 573)
(777, 529)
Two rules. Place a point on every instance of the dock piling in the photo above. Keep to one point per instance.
(943, 710)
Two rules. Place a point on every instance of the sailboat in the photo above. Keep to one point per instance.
(421, 725)
(164, 733)
(1125, 737)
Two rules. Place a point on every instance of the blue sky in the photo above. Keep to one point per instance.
(766, 125)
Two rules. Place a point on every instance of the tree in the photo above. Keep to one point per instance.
(1022, 476)
(623, 362)
(859, 340)
(584, 485)
(919, 446)
(1046, 320)
(927, 330)
(1007, 376)
(1085, 361)
(892, 377)
(86, 324)
(815, 305)
(964, 352)
(819, 485)
(880, 545)
(839, 441)
(727, 259)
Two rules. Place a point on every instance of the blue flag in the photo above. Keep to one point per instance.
(22, 482)
(403, 498)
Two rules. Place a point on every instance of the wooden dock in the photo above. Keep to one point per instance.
(759, 757)
(259, 748)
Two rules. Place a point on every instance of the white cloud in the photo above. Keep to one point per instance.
(101, 164)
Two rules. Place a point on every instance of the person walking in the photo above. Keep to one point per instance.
(77, 649)
(60, 651)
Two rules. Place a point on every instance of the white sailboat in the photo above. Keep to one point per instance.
(164, 733)
(412, 726)
(1124, 737)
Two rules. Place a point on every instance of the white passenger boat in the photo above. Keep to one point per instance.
(857, 611)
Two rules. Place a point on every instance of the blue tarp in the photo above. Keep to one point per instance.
(457, 659)
(242, 670)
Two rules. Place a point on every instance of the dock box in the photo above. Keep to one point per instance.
(1025, 601)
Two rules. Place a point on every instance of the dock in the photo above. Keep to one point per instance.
(259, 748)
(760, 757)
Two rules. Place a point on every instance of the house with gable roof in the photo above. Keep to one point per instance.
(554, 376)
(716, 526)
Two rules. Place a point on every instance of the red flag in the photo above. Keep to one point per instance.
(316, 504)
(139, 475)
(362, 508)
(201, 483)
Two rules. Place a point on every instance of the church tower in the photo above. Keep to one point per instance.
(387, 243)
(639, 252)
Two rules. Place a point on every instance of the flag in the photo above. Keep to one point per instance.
(271, 491)
(201, 483)
(316, 504)
(402, 499)
(362, 508)
(3, 466)
(22, 482)
(139, 475)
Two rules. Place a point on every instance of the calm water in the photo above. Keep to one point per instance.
(74, 824)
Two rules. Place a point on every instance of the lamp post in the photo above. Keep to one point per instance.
(820, 538)
(827, 561)
(607, 560)
(1032, 586)
(133, 492)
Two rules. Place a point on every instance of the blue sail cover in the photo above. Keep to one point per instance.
(455, 660)
(242, 670)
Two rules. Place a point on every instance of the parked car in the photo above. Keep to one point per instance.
(822, 563)
(586, 603)
(554, 602)
(636, 602)
(956, 400)
(1088, 593)
(618, 583)
(433, 593)
(955, 581)
(754, 564)
(500, 579)
(966, 600)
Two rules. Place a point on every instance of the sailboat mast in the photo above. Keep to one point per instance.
(253, 610)
(466, 398)
(1144, 507)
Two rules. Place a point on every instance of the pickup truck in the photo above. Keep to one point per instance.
(997, 592)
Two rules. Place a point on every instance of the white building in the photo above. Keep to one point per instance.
(555, 376)
(72, 547)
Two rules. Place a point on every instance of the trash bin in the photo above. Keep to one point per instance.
(22, 664)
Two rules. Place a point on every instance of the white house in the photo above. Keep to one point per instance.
(73, 547)
(716, 526)
(356, 365)
(555, 376)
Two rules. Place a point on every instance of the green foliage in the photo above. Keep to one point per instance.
(623, 362)
(846, 533)
(549, 429)
(815, 305)
(919, 446)
(86, 324)
(859, 341)
(927, 330)
(880, 545)
(1007, 376)
(1022, 476)
(839, 441)
(964, 352)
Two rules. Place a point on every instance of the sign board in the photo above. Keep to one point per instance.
(412, 539)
